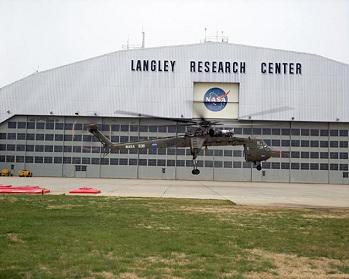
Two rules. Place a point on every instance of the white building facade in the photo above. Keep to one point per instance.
(296, 102)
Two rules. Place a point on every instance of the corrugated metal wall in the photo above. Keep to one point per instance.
(103, 85)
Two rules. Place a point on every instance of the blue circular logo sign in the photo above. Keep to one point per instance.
(215, 99)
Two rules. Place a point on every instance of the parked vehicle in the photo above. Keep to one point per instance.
(25, 173)
(6, 172)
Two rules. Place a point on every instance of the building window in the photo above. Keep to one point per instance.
(77, 138)
(96, 161)
(218, 164)
(334, 167)
(66, 160)
(58, 160)
(105, 161)
(314, 143)
(305, 143)
(171, 163)
(208, 164)
(142, 162)
(334, 133)
(324, 133)
(67, 149)
(11, 147)
(275, 132)
(77, 149)
(314, 155)
(12, 125)
(152, 162)
(294, 154)
(50, 126)
(323, 155)
(343, 144)
(295, 166)
(162, 129)
(343, 133)
(285, 166)
(208, 152)
(343, 167)
(324, 144)
(323, 166)
(49, 137)
(257, 131)
(266, 165)
(48, 160)
(314, 166)
(29, 148)
(87, 161)
(10, 159)
(40, 126)
(68, 137)
(2, 147)
(285, 143)
(304, 154)
(39, 148)
(295, 143)
(275, 165)
(266, 131)
(314, 133)
(3, 136)
(334, 144)
(295, 132)
(333, 155)
(228, 153)
(20, 147)
(30, 125)
(161, 162)
(22, 125)
(20, 136)
(275, 142)
(59, 126)
(76, 160)
(345, 174)
(237, 165)
(11, 136)
(123, 161)
(343, 155)
(228, 164)
(304, 166)
(305, 132)
(218, 152)
(39, 159)
(58, 148)
(124, 128)
(29, 159)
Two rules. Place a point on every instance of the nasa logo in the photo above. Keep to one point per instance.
(215, 99)
(154, 144)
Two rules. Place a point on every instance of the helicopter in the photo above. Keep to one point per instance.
(205, 135)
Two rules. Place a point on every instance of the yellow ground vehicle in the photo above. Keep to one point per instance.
(25, 173)
(6, 172)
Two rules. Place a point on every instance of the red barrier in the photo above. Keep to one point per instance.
(85, 190)
(23, 190)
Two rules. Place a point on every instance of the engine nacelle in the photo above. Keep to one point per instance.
(221, 133)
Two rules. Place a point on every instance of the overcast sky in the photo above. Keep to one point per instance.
(44, 34)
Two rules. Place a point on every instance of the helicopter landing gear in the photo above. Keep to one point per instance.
(195, 171)
(258, 166)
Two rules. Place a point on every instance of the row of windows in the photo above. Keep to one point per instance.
(174, 129)
(163, 162)
(97, 149)
(169, 151)
(116, 139)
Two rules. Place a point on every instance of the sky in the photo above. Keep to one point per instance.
(36, 35)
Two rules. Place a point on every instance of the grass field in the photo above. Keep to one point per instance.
(108, 237)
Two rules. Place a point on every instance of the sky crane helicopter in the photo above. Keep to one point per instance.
(205, 135)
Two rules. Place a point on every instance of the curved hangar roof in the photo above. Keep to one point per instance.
(268, 84)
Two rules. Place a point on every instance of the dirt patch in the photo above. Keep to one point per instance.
(292, 266)
(14, 237)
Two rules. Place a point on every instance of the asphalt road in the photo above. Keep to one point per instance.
(243, 193)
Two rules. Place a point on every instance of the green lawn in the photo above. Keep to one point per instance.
(108, 237)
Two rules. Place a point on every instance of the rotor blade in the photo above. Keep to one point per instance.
(186, 121)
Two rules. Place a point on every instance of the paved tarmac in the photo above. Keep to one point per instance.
(243, 193)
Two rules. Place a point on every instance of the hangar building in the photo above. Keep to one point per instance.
(296, 102)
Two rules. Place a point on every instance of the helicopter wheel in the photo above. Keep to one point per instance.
(259, 167)
(195, 171)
